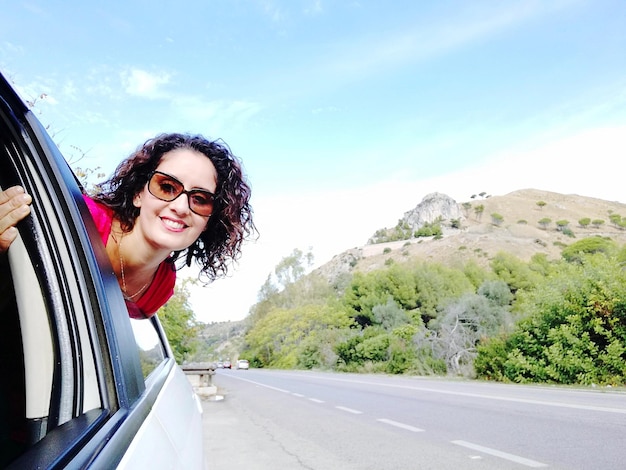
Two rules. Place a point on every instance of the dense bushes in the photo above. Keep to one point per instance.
(575, 331)
(560, 321)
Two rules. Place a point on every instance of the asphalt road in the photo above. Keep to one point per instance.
(309, 420)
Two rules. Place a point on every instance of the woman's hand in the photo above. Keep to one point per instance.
(14, 206)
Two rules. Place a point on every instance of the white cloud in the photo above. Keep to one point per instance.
(273, 11)
(220, 114)
(8, 48)
(314, 8)
(144, 84)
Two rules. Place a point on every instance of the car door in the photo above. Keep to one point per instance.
(82, 384)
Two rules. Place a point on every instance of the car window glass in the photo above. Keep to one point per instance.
(151, 352)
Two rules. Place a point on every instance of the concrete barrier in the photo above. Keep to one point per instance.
(200, 375)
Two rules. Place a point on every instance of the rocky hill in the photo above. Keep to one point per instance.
(480, 237)
(477, 237)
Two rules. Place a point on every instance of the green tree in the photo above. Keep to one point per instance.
(576, 251)
(317, 350)
(292, 267)
(584, 222)
(497, 292)
(276, 339)
(475, 273)
(541, 204)
(514, 272)
(179, 323)
(268, 289)
(597, 222)
(467, 206)
(367, 291)
(615, 219)
(402, 231)
(574, 332)
(561, 225)
(496, 219)
(279, 289)
(390, 315)
(478, 211)
(463, 324)
(429, 230)
(436, 286)
(545, 222)
(421, 289)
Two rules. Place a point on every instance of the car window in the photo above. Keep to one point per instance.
(149, 344)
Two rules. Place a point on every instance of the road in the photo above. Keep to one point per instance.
(310, 420)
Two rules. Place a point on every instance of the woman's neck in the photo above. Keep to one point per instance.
(135, 263)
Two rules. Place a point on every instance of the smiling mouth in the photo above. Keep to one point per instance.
(173, 224)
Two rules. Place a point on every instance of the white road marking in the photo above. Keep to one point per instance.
(349, 410)
(316, 400)
(408, 427)
(262, 385)
(529, 401)
(462, 394)
(298, 395)
(502, 455)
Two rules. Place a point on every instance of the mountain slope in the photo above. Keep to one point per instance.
(479, 238)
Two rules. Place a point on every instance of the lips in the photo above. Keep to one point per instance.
(173, 224)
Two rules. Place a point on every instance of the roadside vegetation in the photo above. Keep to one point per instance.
(179, 323)
(555, 321)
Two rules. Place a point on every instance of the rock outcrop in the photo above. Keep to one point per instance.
(434, 206)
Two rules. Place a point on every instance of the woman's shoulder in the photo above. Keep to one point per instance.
(102, 216)
(97, 208)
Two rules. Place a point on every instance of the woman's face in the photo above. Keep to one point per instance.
(172, 226)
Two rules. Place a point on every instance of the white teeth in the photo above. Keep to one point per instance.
(173, 224)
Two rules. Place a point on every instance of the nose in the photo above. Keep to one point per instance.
(180, 205)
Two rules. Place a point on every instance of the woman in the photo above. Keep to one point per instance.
(177, 198)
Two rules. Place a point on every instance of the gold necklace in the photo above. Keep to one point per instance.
(124, 292)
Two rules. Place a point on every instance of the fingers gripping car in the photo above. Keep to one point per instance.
(83, 385)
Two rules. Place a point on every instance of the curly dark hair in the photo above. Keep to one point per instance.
(231, 221)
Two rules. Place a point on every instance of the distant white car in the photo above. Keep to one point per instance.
(81, 384)
(243, 364)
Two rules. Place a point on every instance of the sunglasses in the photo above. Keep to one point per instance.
(167, 188)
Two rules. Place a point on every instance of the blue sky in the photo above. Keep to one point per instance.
(345, 113)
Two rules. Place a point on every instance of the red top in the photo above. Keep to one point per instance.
(162, 286)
